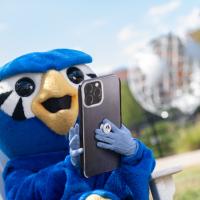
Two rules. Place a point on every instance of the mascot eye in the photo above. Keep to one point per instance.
(24, 87)
(75, 75)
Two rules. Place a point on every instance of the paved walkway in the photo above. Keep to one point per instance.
(184, 160)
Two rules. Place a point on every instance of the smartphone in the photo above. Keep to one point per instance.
(99, 98)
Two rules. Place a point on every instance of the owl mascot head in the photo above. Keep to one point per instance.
(39, 100)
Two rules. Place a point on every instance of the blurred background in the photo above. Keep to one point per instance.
(153, 46)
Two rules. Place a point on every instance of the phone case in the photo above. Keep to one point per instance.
(95, 160)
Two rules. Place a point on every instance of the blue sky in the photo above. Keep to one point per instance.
(111, 31)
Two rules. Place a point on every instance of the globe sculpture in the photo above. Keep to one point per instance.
(166, 77)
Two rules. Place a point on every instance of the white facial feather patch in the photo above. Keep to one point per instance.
(20, 105)
(10, 103)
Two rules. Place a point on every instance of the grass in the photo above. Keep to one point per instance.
(188, 184)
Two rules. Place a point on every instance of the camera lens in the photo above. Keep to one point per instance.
(93, 93)
(97, 92)
(89, 100)
(88, 88)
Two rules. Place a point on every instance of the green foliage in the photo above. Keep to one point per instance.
(172, 138)
(188, 138)
(132, 113)
(166, 134)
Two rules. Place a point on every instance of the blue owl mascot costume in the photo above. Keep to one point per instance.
(39, 133)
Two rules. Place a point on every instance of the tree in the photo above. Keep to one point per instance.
(132, 113)
(196, 35)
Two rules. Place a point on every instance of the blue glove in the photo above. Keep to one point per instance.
(119, 140)
(74, 144)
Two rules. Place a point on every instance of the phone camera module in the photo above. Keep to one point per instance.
(93, 93)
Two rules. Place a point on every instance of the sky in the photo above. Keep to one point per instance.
(110, 31)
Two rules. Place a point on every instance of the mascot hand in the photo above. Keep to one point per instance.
(119, 140)
(74, 144)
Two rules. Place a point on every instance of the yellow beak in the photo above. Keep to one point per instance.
(56, 103)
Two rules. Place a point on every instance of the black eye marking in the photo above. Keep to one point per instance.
(75, 75)
(4, 96)
(92, 75)
(24, 87)
(18, 113)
